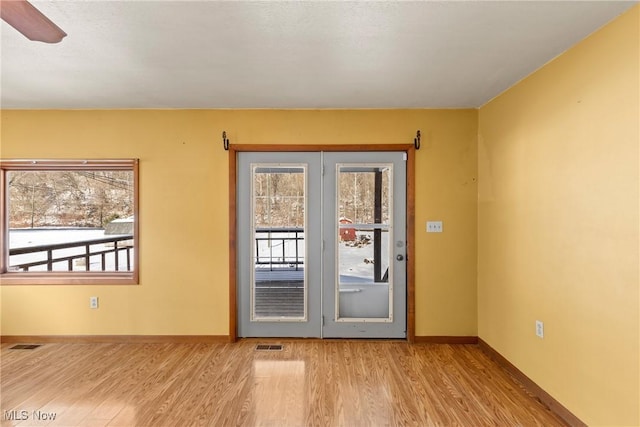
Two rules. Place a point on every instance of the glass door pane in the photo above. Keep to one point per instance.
(278, 291)
(364, 227)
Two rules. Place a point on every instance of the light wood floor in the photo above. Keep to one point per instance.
(309, 383)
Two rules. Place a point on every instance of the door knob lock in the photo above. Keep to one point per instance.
(399, 257)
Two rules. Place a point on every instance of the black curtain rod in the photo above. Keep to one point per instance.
(225, 140)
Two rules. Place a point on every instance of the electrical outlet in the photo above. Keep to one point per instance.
(539, 329)
(434, 226)
(93, 302)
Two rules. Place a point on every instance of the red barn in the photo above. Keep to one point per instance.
(347, 234)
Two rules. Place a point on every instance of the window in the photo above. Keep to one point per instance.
(69, 221)
(279, 283)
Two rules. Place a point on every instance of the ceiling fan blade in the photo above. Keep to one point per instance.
(24, 17)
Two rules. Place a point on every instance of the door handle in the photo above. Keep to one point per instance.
(399, 257)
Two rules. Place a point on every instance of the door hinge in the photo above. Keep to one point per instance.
(404, 156)
(322, 320)
(322, 170)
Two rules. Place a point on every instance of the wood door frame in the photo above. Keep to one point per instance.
(234, 149)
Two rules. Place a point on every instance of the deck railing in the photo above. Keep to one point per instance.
(275, 241)
(86, 254)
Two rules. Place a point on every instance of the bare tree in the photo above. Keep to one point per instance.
(69, 198)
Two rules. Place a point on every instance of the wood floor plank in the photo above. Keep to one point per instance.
(308, 383)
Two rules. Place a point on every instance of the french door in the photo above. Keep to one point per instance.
(321, 245)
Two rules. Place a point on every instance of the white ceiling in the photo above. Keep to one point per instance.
(306, 54)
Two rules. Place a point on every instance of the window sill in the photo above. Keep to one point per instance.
(52, 278)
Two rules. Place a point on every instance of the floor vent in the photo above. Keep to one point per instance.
(24, 346)
(269, 347)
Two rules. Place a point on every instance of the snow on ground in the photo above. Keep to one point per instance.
(352, 259)
(352, 264)
(27, 237)
(20, 238)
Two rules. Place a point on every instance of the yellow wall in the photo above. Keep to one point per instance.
(183, 211)
(558, 225)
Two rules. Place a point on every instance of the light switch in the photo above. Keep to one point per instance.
(434, 226)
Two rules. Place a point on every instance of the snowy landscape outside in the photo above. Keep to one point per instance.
(355, 261)
(24, 238)
(49, 207)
